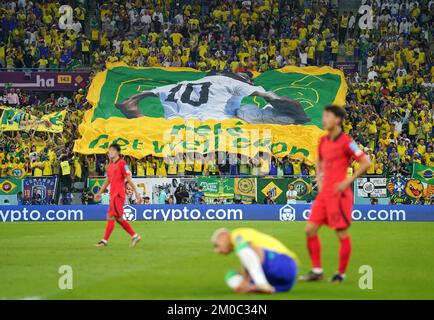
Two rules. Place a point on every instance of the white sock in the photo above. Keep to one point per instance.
(251, 262)
(234, 280)
(317, 270)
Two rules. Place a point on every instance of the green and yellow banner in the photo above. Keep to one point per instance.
(277, 188)
(245, 189)
(423, 173)
(13, 119)
(164, 111)
(409, 190)
(216, 187)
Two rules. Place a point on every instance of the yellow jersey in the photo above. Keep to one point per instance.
(258, 239)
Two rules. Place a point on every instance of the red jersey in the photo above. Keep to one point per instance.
(116, 173)
(336, 156)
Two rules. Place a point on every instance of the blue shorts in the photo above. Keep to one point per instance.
(280, 270)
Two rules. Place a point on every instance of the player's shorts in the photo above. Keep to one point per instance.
(332, 209)
(116, 206)
(280, 270)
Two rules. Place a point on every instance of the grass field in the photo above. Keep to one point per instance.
(175, 261)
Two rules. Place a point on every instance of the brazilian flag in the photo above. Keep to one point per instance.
(10, 186)
(94, 184)
(423, 173)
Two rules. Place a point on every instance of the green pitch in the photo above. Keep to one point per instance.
(175, 261)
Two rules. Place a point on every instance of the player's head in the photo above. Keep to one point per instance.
(114, 151)
(221, 240)
(240, 76)
(332, 117)
(246, 77)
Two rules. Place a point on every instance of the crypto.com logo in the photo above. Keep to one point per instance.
(130, 213)
(287, 213)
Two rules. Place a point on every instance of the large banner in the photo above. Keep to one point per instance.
(39, 190)
(164, 111)
(18, 120)
(44, 81)
(409, 191)
(277, 188)
(218, 213)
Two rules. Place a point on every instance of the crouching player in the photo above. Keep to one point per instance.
(268, 266)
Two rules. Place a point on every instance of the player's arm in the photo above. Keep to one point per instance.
(130, 107)
(272, 97)
(319, 173)
(252, 263)
(364, 164)
(100, 191)
(285, 105)
(141, 95)
(133, 186)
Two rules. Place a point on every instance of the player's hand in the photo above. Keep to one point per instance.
(246, 287)
(344, 185)
(264, 289)
(319, 186)
(138, 199)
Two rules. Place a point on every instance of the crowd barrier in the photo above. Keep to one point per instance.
(284, 213)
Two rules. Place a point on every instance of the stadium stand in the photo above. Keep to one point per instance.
(390, 107)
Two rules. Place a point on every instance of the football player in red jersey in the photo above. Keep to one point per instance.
(117, 173)
(333, 205)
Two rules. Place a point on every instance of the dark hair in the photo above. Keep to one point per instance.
(115, 146)
(243, 77)
(336, 110)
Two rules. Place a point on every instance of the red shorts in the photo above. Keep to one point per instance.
(332, 209)
(116, 206)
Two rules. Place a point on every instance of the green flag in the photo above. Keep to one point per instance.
(423, 173)
(162, 111)
(216, 187)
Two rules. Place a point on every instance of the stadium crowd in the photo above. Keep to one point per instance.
(390, 102)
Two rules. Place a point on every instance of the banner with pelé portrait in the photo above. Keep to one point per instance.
(165, 111)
